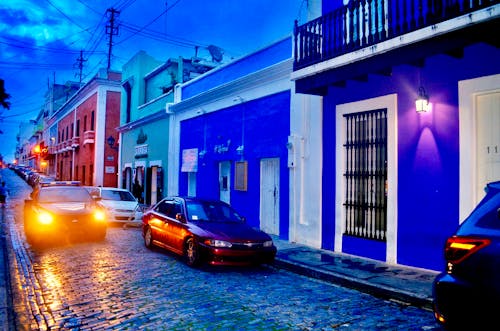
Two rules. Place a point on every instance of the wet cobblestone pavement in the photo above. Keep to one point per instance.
(118, 284)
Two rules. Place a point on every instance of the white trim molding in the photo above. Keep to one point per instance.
(390, 103)
(468, 91)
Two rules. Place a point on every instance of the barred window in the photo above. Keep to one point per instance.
(365, 151)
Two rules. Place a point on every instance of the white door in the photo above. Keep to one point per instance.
(225, 181)
(488, 141)
(269, 195)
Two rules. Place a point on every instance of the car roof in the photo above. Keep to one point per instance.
(195, 199)
(113, 189)
(106, 188)
(61, 183)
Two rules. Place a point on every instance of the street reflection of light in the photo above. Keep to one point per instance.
(51, 280)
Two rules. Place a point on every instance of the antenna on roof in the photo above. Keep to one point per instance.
(216, 53)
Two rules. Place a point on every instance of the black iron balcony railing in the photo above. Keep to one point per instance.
(364, 23)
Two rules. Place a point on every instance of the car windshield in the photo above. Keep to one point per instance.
(64, 194)
(211, 212)
(117, 195)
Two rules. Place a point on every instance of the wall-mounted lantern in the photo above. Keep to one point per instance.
(111, 143)
(422, 101)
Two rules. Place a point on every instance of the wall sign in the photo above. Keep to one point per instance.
(189, 160)
(141, 151)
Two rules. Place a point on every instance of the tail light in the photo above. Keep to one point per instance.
(459, 248)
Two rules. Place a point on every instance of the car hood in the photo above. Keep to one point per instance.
(234, 232)
(116, 204)
(68, 207)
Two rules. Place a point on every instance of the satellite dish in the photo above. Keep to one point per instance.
(216, 53)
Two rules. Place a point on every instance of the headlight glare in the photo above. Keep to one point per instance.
(99, 215)
(45, 218)
(218, 243)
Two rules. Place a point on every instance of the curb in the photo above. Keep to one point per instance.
(378, 290)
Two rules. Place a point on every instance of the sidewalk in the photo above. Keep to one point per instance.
(5, 309)
(405, 284)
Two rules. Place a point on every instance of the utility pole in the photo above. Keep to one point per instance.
(80, 61)
(112, 30)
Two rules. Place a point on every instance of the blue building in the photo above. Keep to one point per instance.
(228, 134)
(406, 95)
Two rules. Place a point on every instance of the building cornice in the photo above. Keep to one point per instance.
(279, 71)
(83, 93)
(142, 121)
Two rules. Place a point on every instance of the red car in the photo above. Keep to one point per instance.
(205, 231)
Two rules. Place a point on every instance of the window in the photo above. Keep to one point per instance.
(128, 93)
(91, 174)
(85, 123)
(78, 128)
(83, 175)
(169, 208)
(365, 151)
(92, 119)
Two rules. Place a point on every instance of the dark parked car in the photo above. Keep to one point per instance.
(61, 211)
(205, 231)
(467, 294)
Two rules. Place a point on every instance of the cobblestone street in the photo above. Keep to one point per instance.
(118, 284)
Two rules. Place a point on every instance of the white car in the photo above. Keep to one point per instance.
(121, 206)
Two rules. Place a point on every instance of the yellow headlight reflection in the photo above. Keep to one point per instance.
(99, 215)
(45, 218)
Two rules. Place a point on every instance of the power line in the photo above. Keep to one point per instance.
(66, 16)
(80, 62)
(154, 20)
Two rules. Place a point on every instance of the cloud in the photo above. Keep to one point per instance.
(43, 24)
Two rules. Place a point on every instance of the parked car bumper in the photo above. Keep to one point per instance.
(458, 301)
(237, 257)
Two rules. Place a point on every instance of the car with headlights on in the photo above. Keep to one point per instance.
(205, 231)
(60, 211)
(120, 205)
(467, 293)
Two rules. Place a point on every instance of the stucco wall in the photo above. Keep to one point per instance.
(428, 150)
(266, 128)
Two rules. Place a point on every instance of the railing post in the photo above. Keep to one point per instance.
(295, 44)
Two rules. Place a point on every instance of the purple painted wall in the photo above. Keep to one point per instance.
(428, 153)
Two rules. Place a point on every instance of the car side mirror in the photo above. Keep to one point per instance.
(180, 217)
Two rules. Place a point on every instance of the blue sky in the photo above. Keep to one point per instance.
(41, 40)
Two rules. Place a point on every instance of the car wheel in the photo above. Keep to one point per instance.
(148, 238)
(191, 253)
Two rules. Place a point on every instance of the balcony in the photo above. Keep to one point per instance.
(59, 147)
(75, 142)
(88, 137)
(357, 31)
